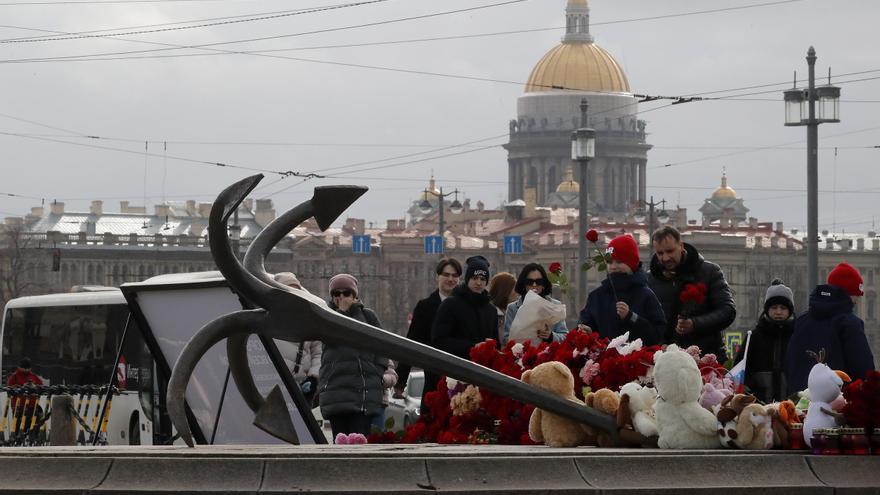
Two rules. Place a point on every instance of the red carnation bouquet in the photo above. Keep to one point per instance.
(691, 296)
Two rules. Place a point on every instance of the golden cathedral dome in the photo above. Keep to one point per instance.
(568, 184)
(578, 66)
(431, 193)
(577, 63)
(724, 191)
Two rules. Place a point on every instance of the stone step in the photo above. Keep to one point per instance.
(428, 468)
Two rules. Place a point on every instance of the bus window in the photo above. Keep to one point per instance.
(76, 345)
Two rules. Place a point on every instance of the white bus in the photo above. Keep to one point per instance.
(72, 339)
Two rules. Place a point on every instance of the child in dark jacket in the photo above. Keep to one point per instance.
(624, 303)
(765, 376)
(830, 324)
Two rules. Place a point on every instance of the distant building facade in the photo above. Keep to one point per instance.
(95, 249)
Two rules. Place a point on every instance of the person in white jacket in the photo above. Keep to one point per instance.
(302, 358)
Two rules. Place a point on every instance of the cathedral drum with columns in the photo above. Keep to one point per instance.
(539, 156)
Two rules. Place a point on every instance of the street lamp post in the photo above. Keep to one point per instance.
(662, 217)
(454, 207)
(583, 148)
(798, 102)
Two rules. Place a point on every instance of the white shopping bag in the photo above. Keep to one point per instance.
(534, 313)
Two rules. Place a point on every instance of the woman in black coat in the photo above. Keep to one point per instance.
(352, 382)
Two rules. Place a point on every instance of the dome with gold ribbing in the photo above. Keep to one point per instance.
(724, 191)
(577, 63)
(568, 184)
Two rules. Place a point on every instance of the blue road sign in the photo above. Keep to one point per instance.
(360, 244)
(433, 244)
(513, 244)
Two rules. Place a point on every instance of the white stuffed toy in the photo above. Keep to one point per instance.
(681, 422)
(641, 406)
(824, 386)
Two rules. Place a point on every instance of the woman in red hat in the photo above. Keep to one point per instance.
(624, 303)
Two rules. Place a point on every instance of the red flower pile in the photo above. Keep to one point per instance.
(862, 409)
(506, 421)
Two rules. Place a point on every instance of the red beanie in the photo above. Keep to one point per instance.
(625, 250)
(848, 278)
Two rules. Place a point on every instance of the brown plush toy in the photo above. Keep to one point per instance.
(552, 429)
(783, 415)
(606, 401)
(728, 412)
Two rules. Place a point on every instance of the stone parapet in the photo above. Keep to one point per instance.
(428, 468)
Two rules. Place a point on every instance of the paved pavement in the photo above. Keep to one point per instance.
(428, 468)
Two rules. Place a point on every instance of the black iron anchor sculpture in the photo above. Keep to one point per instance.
(295, 315)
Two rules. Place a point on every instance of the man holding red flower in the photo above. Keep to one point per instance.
(695, 297)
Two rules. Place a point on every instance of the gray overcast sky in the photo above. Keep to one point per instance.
(315, 113)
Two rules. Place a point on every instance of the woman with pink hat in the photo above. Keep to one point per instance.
(352, 382)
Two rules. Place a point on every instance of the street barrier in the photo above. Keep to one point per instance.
(28, 408)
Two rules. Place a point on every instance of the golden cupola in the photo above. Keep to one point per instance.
(724, 191)
(431, 193)
(577, 63)
(568, 184)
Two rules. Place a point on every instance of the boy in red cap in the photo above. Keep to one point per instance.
(830, 324)
(624, 303)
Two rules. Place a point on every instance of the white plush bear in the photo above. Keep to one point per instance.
(681, 422)
(641, 407)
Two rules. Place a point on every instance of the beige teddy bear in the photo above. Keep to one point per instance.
(552, 429)
(606, 401)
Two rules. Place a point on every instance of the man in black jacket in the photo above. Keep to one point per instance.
(448, 274)
(700, 321)
(468, 317)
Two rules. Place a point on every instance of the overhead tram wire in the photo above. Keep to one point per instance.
(210, 46)
(93, 2)
(759, 148)
(142, 26)
(91, 57)
(197, 26)
(345, 173)
(618, 21)
(170, 157)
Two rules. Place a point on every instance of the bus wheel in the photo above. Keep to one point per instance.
(134, 429)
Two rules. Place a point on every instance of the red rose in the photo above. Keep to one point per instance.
(555, 267)
(592, 235)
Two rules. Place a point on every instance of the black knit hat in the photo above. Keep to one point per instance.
(476, 265)
(778, 293)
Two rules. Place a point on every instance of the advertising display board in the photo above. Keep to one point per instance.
(170, 310)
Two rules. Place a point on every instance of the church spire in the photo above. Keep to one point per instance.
(577, 22)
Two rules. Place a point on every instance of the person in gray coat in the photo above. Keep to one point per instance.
(352, 382)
